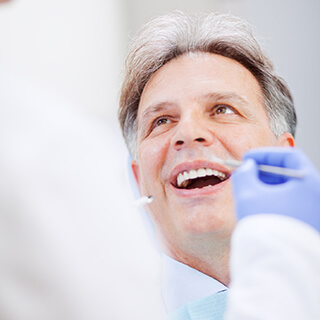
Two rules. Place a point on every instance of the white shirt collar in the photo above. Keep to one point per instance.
(182, 284)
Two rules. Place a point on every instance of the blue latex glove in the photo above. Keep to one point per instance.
(257, 192)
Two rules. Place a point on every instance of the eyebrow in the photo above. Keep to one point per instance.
(156, 108)
(225, 96)
(232, 97)
(216, 96)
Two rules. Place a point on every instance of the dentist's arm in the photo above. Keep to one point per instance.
(275, 248)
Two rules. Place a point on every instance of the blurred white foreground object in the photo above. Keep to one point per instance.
(71, 245)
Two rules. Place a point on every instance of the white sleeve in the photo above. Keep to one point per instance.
(275, 270)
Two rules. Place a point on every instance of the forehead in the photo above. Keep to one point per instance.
(199, 74)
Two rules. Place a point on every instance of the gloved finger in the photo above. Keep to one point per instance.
(300, 161)
(275, 156)
(287, 157)
(272, 178)
(246, 174)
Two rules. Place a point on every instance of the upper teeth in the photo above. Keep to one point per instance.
(184, 177)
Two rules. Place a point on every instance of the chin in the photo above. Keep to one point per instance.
(198, 222)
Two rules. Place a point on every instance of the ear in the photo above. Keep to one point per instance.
(136, 172)
(286, 140)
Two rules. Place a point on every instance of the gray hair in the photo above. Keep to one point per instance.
(176, 34)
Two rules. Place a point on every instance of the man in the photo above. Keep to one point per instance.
(196, 90)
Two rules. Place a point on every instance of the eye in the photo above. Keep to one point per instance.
(161, 121)
(160, 124)
(223, 109)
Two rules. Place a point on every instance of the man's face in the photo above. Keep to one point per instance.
(195, 108)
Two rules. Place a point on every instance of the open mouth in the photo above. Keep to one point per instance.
(200, 178)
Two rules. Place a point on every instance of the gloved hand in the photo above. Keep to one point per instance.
(257, 192)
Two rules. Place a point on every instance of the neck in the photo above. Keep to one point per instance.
(206, 258)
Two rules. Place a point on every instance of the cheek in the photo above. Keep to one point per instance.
(238, 141)
(152, 155)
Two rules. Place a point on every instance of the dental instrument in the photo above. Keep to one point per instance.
(143, 200)
(287, 172)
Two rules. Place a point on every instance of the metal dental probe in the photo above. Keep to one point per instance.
(287, 172)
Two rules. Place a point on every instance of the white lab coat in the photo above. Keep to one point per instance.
(275, 270)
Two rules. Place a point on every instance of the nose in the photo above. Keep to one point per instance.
(192, 131)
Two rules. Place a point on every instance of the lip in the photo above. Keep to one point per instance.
(194, 165)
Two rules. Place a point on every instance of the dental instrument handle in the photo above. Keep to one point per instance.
(143, 201)
(293, 173)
